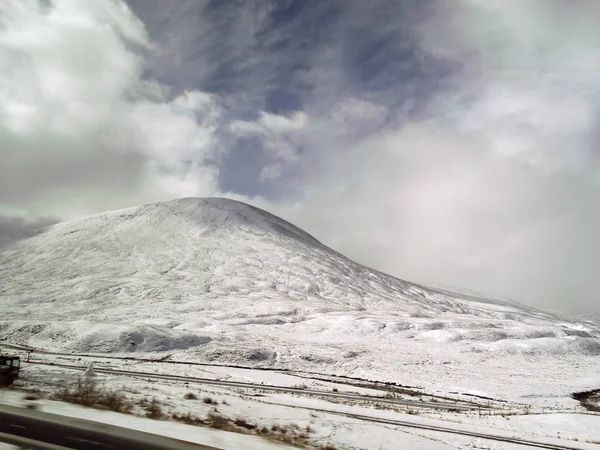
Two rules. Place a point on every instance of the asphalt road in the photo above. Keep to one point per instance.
(44, 431)
(17, 424)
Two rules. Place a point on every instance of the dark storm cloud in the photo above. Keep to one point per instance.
(282, 57)
(279, 56)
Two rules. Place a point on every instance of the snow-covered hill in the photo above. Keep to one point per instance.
(219, 280)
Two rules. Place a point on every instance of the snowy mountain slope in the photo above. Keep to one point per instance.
(216, 279)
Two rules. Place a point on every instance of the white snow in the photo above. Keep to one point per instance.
(206, 436)
(219, 281)
(329, 422)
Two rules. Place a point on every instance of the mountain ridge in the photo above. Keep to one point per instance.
(219, 280)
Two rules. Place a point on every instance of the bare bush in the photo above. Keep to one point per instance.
(188, 419)
(88, 392)
(190, 396)
(241, 422)
(217, 421)
(153, 409)
(289, 434)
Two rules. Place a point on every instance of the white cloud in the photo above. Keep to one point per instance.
(355, 116)
(279, 135)
(307, 139)
(496, 192)
(426, 203)
(529, 79)
(81, 130)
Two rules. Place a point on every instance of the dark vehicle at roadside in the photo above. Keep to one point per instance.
(9, 369)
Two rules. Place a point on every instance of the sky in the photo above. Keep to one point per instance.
(451, 143)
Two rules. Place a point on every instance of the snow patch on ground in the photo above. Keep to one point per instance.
(107, 337)
(328, 422)
(219, 281)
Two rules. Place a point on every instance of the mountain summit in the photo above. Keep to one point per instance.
(216, 279)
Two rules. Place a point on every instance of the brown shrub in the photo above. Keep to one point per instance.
(153, 409)
(217, 421)
(88, 392)
(240, 422)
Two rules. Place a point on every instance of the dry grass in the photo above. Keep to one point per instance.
(88, 392)
(290, 434)
(219, 422)
(210, 401)
(242, 423)
(187, 418)
(153, 409)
